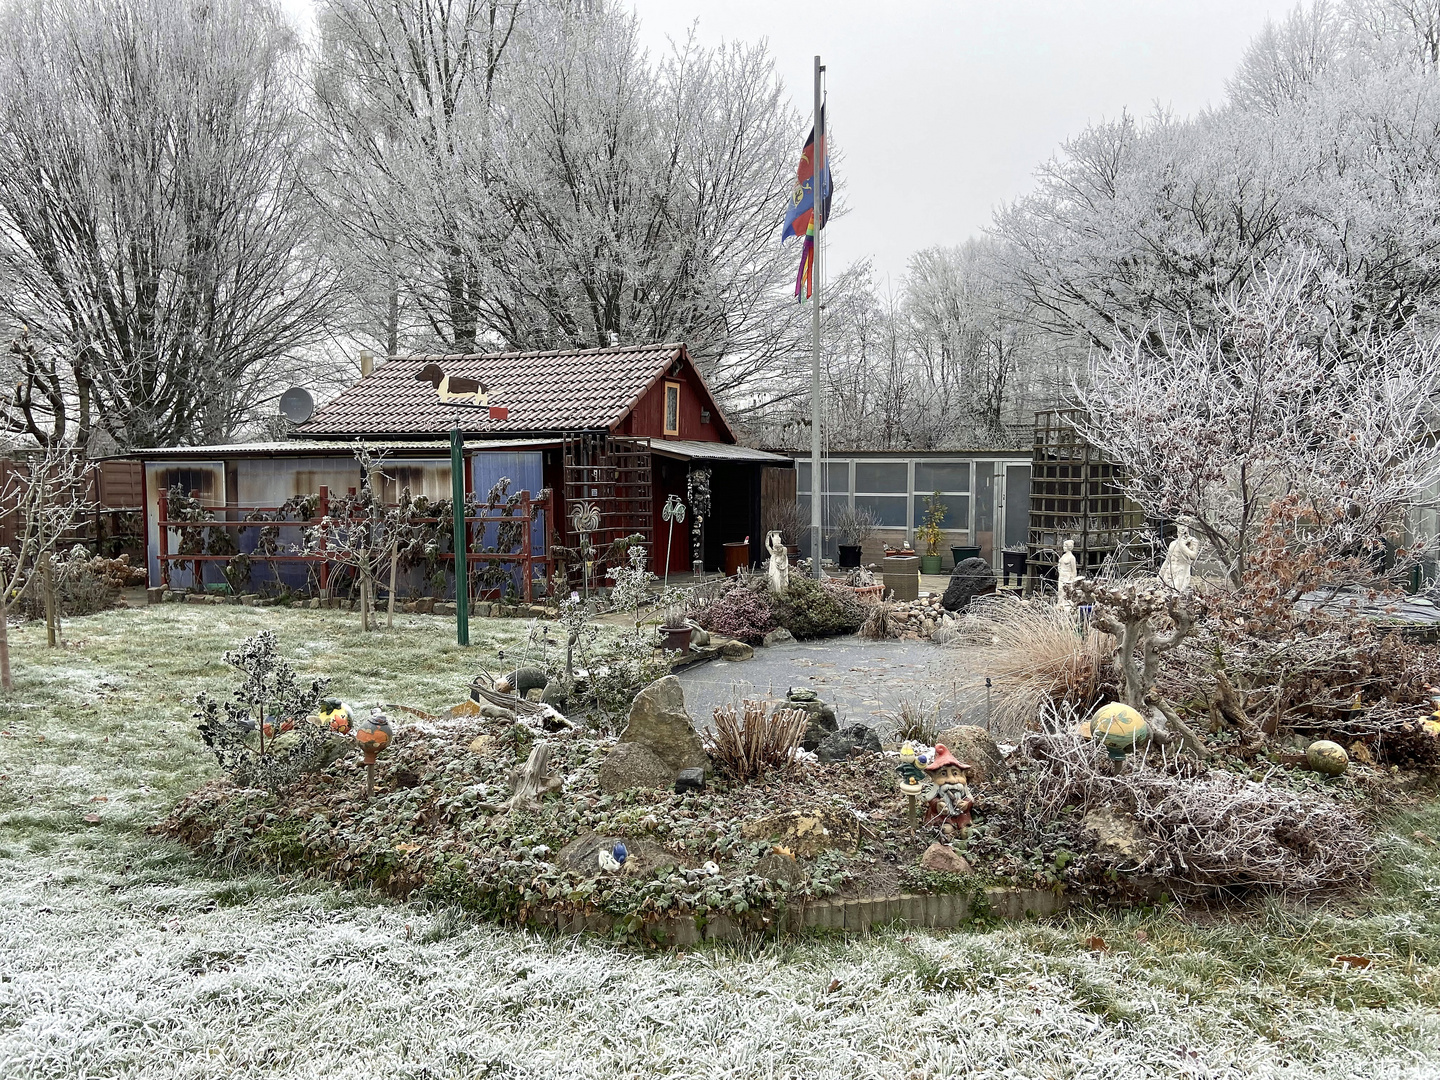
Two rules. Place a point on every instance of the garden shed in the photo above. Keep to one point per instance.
(619, 430)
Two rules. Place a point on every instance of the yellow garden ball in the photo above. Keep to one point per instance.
(1327, 757)
(1119, 727)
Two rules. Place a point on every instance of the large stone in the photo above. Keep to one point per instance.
(778, 637)
(778, 868)
(806, 833)
(659, 722)
(848, 742)
(1116, 832)
(737, 650)
(944, 859)
(632, 765)
(643, 859)
(975, 745)
(689, 780)
(822, 720)
(969, 579)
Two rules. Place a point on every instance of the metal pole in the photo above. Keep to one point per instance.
(462, 572)
(817, 497)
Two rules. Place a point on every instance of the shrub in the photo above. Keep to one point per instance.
(746, 744)
(742, 613)
(810, 610)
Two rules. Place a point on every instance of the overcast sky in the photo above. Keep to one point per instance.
(944, 108)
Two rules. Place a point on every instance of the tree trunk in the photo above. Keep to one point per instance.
(47, 588)
(390, 603)
(6, 682)
(365, 596)
(529, 783)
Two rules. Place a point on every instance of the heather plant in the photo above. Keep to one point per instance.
(742, 614)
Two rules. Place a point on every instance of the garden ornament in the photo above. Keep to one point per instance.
(1179, 557)
(614, 859)
(912, 780)
(336, 715)
(1327, 757)
(373, 734)
(779, 562)
(1120, 728)
(947, 789)
(673, 511)
(1067, 572)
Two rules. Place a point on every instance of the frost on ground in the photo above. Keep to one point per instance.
(123, 956)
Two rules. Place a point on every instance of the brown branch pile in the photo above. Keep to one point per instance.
(746, 743)
(1208, 828)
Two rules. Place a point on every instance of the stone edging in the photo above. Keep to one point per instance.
(859, 916)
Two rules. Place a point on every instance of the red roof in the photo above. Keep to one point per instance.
(571, 390)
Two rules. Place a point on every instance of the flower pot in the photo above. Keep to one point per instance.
(929, 564)
(675, 638)
(962, 553)
(737, 557)
(902, 576)
(849, 555)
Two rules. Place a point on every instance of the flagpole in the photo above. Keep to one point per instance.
(817, 496)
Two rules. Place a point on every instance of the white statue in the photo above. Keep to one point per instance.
(1067, 572)
(779, 562)
(1179, 557)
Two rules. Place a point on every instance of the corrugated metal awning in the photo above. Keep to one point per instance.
(687, 450)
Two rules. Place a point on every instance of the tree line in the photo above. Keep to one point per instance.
(198, 209)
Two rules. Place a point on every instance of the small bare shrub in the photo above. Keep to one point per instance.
(915, 722)
(746, 743)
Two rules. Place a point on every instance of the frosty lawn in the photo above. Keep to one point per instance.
(124, 956)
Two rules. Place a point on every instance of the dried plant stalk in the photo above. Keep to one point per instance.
(746, 743)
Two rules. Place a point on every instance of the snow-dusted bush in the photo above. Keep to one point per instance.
(742, 614)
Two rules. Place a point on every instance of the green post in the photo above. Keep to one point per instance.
(462, 573)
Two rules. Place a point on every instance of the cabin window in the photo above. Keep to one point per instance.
(672, 408)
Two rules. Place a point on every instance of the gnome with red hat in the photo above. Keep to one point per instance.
(947, 790)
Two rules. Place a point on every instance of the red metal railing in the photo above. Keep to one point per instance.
(525, 557)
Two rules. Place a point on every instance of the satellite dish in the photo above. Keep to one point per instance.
(296, 405)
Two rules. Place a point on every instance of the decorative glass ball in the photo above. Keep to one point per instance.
(373, 733)
(1120, 728)
(1327, 757)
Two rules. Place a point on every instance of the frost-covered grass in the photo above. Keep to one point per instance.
(121, 955)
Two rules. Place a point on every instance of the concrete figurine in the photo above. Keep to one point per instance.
(1179, 558)
(779, 562)
(947, 790)
(1067, 572)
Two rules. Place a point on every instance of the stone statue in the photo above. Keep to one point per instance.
(1067, 572)
(1179, 557)
(779, 562)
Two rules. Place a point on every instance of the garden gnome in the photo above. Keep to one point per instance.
(947, 790)
(1179, 557)
(1067, 573)
(779, 562)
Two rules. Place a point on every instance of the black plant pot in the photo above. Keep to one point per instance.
(676, 638)
(849, 555)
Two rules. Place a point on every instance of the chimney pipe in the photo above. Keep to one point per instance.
(367, 362)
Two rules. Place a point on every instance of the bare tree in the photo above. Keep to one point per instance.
(155, 225)
(44, 499)
(361, 532)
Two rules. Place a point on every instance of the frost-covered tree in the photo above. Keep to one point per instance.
(523, 174)
(155, 222)
(1217, 427)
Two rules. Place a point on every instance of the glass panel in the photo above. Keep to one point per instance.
(834, 504)
(889, 510)
(942, 476)
(957, 511)
(672, 408)
(984, 496)
(837, 476)
(802, 476)
(1017, 506)
(882, 476)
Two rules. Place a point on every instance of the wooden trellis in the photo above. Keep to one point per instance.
(614, 476)
(1075, 494)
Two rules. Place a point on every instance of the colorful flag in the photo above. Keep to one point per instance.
(800, 217)
(804, 278)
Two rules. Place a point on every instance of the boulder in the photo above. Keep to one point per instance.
(1116, 832)
(822, 719)
(975, 745)
(689, 780)
(781, 869)
(659, 722)
(777, 637)
(632, 765)
(970, 578)
(482, 744)
(806, 833)
(944, 859)
(846, 743)
(645, 857)
(736, 650)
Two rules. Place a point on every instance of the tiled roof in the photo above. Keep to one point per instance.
(586, 390)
